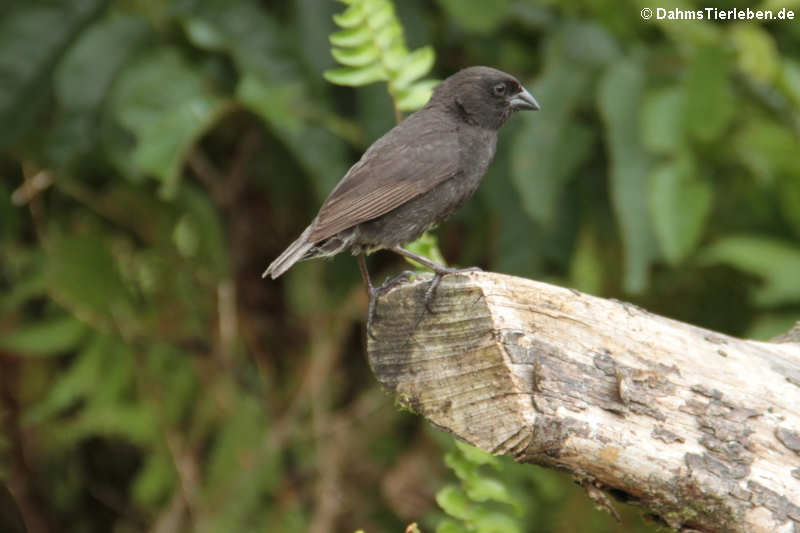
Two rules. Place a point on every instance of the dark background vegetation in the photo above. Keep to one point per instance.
(156, 155)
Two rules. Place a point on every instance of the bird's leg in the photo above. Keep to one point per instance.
(376, 292)
(371, 292)
(438, 272)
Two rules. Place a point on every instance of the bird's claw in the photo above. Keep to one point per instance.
(437, 278)
(377, 292)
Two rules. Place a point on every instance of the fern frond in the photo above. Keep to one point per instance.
(371, 47)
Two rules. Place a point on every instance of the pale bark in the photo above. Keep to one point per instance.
(699, 428)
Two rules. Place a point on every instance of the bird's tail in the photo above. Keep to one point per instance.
(294, 253)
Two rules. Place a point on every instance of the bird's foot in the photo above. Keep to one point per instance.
(438, 274)
(377, 292)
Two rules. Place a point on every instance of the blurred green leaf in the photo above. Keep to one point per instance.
(619, 97)
(790, 80)
(426, 246)
(476, 15)
(417, 64)
(351, 37)
(454, 502)
(770, 325)
(352, 16)
(199, 233)
(355, 77)
(551, 146)
(33, 36)
(758, 56)
(278, 105)
(552, 143)
(789, 195)
(495, 522)
(460, 465)
(680, 202)
(46, 338)
(270, 85)
(359, 56)
(587, 43)
(415, 96)
(82, 275)
(23, 290)
(167, 104)
(586, 268)
(482, 489)
(252, 36)
(84, 76)
(155, 480)
(82, 81)
(475, 455)
(450, 526)
(205, 34)
(709, 104)
(775, 262)
(768, 149)
(663, 122)
(77, 382)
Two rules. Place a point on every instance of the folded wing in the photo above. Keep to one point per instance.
(400, 166)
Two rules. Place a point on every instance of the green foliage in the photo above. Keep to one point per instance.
(156, 155)
(620, 95)
(481, 502)
(371, 47)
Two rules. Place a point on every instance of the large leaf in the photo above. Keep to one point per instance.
(50, 337)
(663, 124)
(776, 262)
(680, 204)
(82, 81)
(619, 98)
(33, 36)
(167, 104)
(84, 76)
(552, 144)
(709, 104)
(271, 85)
(254, 39)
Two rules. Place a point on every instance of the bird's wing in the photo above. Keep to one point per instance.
(397, 168)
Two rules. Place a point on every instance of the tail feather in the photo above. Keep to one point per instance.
(294, 253)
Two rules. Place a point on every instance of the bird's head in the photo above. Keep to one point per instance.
(484, 96)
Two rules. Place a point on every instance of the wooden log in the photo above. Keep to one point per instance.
(699, 428)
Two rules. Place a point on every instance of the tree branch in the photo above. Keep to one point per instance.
(701, 429)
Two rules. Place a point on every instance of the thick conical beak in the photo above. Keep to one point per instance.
(524, 101)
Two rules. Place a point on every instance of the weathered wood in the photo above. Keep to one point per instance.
(701, 429)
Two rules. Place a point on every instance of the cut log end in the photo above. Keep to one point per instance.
(696, 426)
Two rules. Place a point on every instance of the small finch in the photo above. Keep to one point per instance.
(414, 177)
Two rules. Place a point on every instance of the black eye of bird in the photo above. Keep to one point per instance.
(500, 89)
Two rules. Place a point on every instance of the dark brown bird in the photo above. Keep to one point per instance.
(415, 176)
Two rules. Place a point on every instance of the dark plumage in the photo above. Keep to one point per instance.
(416, 175)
